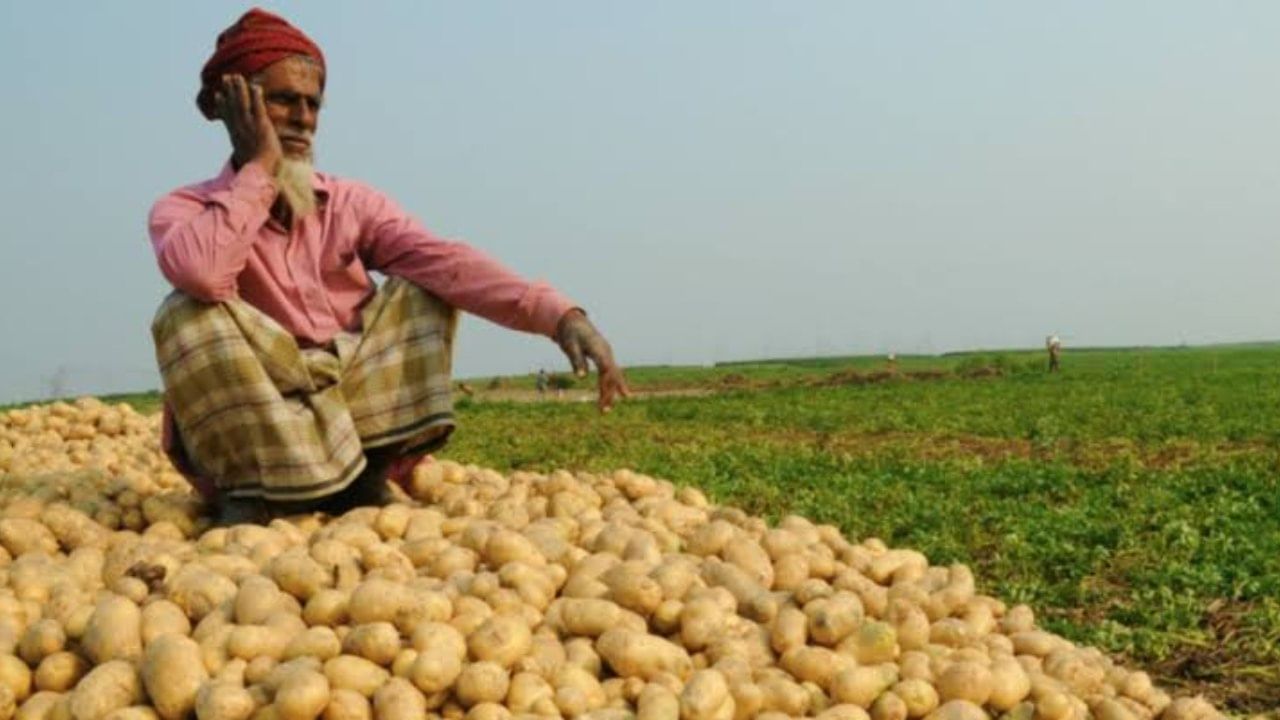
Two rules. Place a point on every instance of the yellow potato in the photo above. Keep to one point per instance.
(110, 686)
(303, 695)
(398, 699)
(172, 674)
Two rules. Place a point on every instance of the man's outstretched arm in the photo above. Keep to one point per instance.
(473, 281)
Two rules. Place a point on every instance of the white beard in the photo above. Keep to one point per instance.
(293, 177)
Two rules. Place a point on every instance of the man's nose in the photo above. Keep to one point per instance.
(302, 115)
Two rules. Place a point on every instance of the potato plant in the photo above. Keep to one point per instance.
(485, 595)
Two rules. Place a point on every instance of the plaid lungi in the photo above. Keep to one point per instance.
(263, 417)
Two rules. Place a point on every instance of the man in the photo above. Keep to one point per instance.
(292, 382)
(1054, 345)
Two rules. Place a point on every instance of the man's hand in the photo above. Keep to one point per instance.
(243, 111)
(581, 341)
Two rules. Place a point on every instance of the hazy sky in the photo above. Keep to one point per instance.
(711, 180)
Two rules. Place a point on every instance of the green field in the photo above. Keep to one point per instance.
(1131, 500)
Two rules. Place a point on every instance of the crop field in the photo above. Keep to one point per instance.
(1132, 500)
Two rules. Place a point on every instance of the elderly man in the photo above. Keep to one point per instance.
(292, 382)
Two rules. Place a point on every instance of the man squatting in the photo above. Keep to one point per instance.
(292, 382)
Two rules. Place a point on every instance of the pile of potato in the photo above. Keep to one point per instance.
(489, 596)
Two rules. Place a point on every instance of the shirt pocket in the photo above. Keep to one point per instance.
(345, 270)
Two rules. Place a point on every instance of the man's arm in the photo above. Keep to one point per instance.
(202, 244)
(467, 278)
(471, 280)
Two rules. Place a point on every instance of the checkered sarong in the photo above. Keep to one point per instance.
(262, 417)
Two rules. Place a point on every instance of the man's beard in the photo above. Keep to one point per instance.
(293, 177)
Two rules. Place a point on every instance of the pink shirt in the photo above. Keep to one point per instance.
(216, 240)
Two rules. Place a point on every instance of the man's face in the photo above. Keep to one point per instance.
(292, 91)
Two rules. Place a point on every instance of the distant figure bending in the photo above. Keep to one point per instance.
(1054, 346)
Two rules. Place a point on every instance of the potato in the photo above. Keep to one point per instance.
(965, 681)
(376, 601)
(630, 653)
(545, 657)
(42, 638)
(632, 589)
(527, 692)
(198, 590)
(586, 616)
(39, 706)
(16, 676)
(860, 685)
(303, 695)
(702, 621)
(398, 700)
(1109, 709)
(657, 703)
(298, 574)
(843, 712)
(355, 673)
(114, 631)
(419, 606)
(8, 703)
(957, 710)
(789, 630)
(172, 674)
(250, 641)
(814, 664)
(378, 642)
(23, 535)
(160, 617)
(327, 607)
(256, 599)
(782, 695)
(481, 682)
(919, 696)
(108, 687)
(319, 642)
(276, 676)
(754, 602)
(253, 672)
(347, 705)
(832, 619)
(889, 706)
(872, 643)
(706, 697)
(60, 672)
(223, 701)
(1010, 684)
(500, 639)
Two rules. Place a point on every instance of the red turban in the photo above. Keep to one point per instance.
(256, 40)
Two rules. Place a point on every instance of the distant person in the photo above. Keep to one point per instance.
(292, 382)
(1054, 346)
(893, 363)
(541, 382)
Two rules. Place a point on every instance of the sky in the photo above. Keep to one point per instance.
(711, 180)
